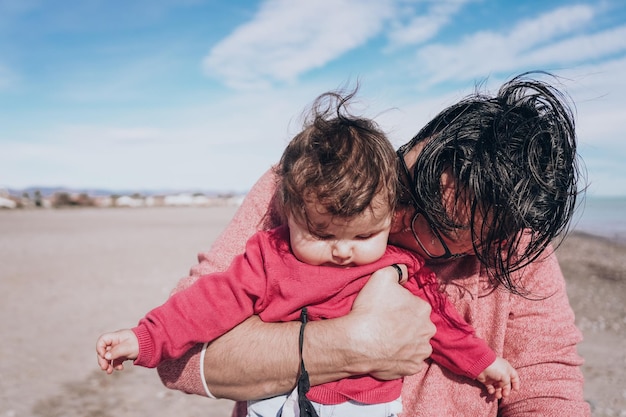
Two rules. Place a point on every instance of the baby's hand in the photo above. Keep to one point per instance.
(115, 348)
(500, 378)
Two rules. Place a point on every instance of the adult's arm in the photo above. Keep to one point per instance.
(258, 359)
(541, 344)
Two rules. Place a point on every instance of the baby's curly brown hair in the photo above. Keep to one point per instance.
(338, 160)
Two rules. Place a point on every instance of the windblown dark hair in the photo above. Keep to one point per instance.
(513, 159)
(339, 160)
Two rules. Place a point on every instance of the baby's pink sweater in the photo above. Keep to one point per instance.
(268, 280)
(537, 336)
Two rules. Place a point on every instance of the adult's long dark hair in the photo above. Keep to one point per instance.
(513, 158)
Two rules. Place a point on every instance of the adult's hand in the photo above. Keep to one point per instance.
(390, 328)
(386, 335)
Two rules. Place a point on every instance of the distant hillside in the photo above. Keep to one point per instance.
(100, 192)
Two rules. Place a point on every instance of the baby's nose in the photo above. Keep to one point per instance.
(341, 249)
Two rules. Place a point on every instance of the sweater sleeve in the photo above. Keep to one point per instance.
(213, 305)
(184, 374)
(541, 344)
(455, 345)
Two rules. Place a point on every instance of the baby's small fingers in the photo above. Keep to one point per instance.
(102, 363)
(117, 364)
(102, 346)
(498, 393)
(515, 382)
(107, 368)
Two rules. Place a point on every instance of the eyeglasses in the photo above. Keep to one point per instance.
(408, 196)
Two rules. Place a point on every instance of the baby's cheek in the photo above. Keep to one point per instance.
(312, 253)
(374, 253)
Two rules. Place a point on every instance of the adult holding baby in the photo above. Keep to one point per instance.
(488, 185)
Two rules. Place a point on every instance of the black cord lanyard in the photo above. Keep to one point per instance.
(304, 385)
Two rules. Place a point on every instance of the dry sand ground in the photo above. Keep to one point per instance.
(68, 275)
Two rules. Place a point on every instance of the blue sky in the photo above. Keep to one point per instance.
(192, 94)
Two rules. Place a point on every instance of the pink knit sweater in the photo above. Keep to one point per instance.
(537, 336)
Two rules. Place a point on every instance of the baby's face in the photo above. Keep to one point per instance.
(340, 242)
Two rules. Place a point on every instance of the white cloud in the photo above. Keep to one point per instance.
(486, 52)
(424, 26)
(561, 21)
(592, 62)
(286, 38)
(581, 48)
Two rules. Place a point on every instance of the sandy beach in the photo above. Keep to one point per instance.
(68, 275)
